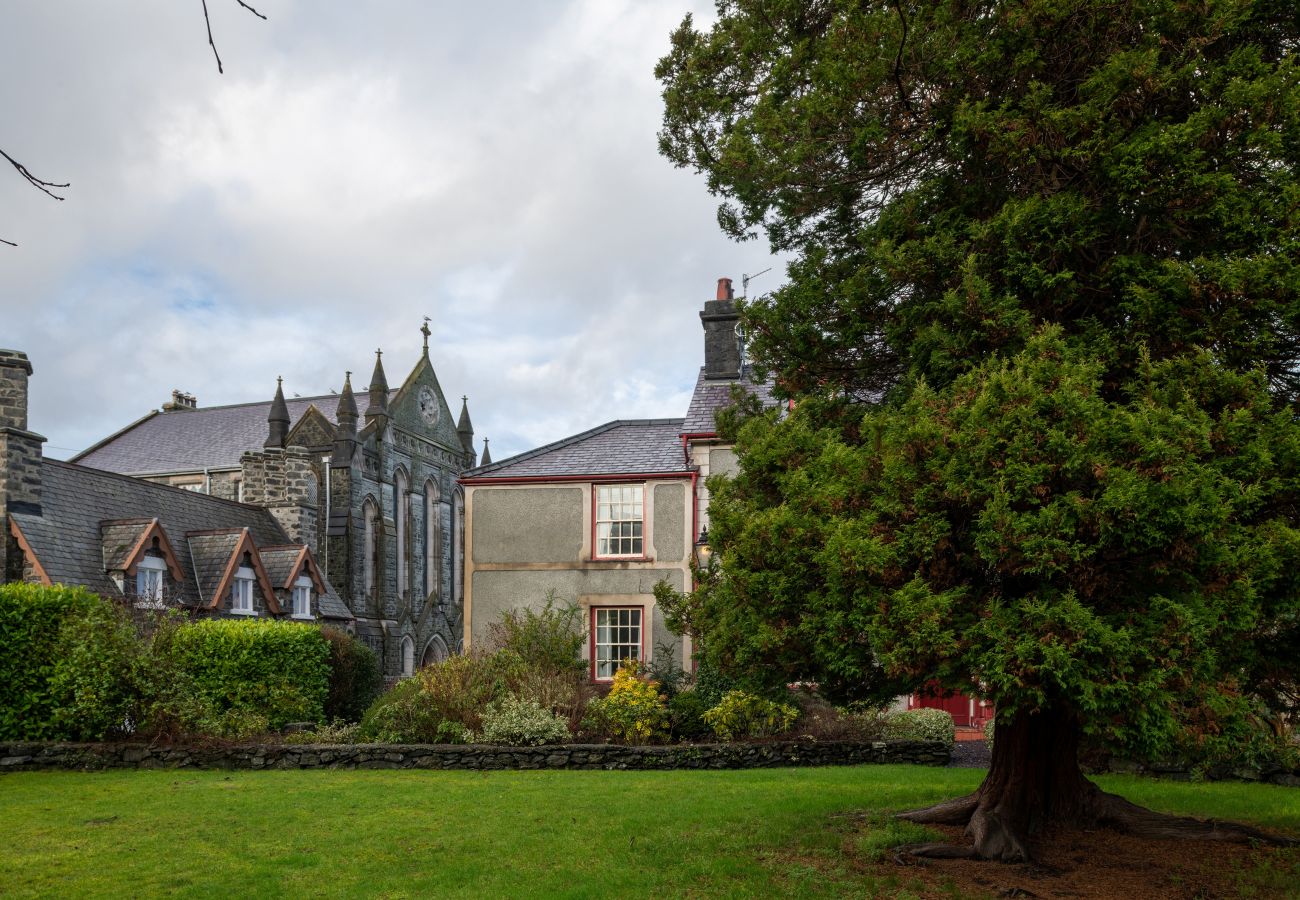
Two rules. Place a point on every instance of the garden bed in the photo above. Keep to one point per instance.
(20, 756)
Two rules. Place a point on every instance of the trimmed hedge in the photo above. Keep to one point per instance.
(355, 679)
(258, 667)
(921, 725)
(66, 663)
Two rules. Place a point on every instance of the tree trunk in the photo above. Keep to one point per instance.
(1034, 783)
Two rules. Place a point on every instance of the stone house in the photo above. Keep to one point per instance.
(598, 518)
(373, 495)
(147, 543)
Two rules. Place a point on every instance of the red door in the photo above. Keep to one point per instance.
(966, 711)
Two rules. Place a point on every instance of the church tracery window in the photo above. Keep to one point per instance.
(432, 540)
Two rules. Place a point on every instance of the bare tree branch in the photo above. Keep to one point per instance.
(39, 183)
(208, 21)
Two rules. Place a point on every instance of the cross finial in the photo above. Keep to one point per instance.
(424, 330)
(279, 380)
(379, 353)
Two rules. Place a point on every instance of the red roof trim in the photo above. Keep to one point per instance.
(542, 479)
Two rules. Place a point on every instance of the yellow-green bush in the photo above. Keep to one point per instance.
(633, 712)
(741, 714)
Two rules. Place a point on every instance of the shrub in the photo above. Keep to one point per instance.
(921, 725)
(820, 720)
(686, 716)
(337, 732)
(67, 659)
(633, 712)
(741, 714)
(565, 693)
(440, 704)
(989, 727)
(712, 682)
(551, 639)
(355, 679)
(517, 722)
(663, 668)
(249, 668)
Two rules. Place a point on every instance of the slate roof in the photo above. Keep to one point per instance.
(622, 447)
(279, 565)
(88, 514)
(75, 500)
(711, 396)
(190, 440)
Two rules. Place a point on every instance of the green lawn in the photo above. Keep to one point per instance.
(577, 834)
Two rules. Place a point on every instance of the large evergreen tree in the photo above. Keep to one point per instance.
(1043, 321)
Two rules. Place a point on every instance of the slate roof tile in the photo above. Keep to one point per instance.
(622, 447)
(711, 396)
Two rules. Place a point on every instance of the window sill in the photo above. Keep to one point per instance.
(642, 559)
(243, 612)
(306, 618)
(150, 604)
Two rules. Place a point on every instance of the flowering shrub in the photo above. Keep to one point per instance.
(634, 711)
(921, 725)
(742, 714)
(516, 722)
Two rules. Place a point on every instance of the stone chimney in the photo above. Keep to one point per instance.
(20, 449)
(181, 400)
(721, 342)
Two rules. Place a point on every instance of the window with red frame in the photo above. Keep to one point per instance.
(620, 520)
(616, 636)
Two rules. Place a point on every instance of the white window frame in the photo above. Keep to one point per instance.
(302, 598)
(611, 507)
(241, 592)
(631, 618)
(150, 581)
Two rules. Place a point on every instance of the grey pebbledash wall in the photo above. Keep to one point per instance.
(89, 757)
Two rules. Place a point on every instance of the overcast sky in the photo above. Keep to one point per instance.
(358, 166)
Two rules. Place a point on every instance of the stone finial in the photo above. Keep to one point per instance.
(487, 455)
(424, 330)
(464, 428)
(278, 418)
(378, 390)
(346, 414)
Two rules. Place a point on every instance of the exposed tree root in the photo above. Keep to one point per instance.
(1034, 784)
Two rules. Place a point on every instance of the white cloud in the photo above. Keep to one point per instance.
(491, 166)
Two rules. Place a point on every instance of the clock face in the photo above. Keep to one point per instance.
(428, 405)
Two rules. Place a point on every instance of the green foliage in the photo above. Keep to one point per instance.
(711, 683)
(516, 722)
(355, 678)
(250, 668)
(634, 712)
(822, 721)
(442, 703)
(1130, 557)
(67, 663)
(921, 725)
(686, 716)
(552, 638)
(741, 714)
(663, 670)
(947, 181)
(336, 732)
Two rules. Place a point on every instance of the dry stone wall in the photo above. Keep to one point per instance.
(90, 757)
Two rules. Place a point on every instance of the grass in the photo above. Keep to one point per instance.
(415, 834)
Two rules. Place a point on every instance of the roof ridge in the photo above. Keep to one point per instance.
(207, 498)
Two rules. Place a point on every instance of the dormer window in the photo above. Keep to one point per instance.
(150, 579)
(302, 598)
(241, 592)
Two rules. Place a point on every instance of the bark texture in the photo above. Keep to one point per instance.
(1035, 783)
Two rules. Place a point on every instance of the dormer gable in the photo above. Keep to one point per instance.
(125, 542)
(285, 564)
(218, 556)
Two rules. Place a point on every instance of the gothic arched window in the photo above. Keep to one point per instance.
(370, 545)
(458, 548)
(432, 540)
(401, 515)
(408, 656)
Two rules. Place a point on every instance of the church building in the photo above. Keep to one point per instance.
(372, 493)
